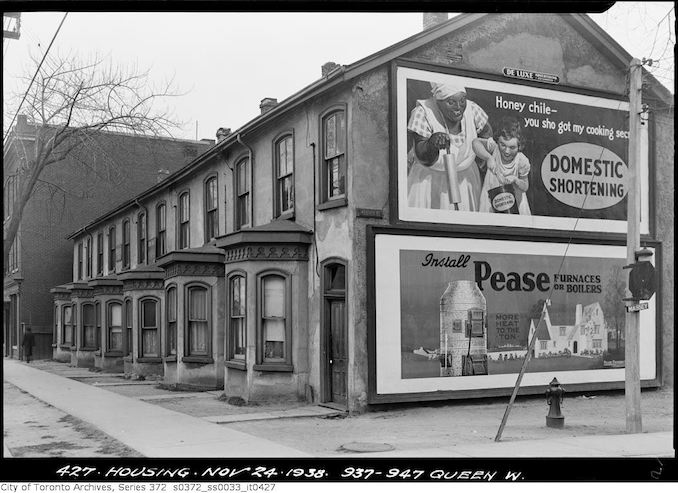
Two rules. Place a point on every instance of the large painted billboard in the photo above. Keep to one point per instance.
(478, 151)
(466, 310)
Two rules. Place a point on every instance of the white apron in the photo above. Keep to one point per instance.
(427, 185)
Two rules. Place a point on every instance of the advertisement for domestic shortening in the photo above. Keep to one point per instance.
(479, 151)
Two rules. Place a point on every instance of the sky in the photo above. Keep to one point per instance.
(224, 64)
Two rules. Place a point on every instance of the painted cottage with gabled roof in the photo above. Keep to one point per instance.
(586, 337)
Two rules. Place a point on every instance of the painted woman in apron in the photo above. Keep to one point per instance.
(447, 119)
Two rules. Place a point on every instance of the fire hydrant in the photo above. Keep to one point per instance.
(554, 398)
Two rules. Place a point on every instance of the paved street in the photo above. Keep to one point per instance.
(107, 415)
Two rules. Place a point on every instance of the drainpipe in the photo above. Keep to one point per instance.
(251, 173)
(136, 201)
(315, 229)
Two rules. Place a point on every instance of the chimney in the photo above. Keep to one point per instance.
(222, 133)
(328, 67)
(162, 174)
(578, 314)
(267, 104)
(21, 124)
(432, 19)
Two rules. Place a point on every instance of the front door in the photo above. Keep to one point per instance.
(338, 357)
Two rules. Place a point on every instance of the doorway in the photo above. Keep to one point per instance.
(335, 332)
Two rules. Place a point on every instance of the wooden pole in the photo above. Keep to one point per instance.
(530, 347)
(632, 338)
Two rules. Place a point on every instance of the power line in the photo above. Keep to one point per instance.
(37, 71)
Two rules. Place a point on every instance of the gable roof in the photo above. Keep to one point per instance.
(581, 22)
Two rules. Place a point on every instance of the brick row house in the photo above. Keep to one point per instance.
(251, 269)
(98, 175)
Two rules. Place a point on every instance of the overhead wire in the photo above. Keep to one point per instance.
(37, 71)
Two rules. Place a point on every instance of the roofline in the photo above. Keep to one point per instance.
(582, 22)
(332, 79)
(589, 28)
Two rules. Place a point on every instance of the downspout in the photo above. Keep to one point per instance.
(251, 173)
(145, 209)
(315, 240)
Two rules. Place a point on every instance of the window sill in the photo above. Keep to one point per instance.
(238, 365)
(113, 354)
(286, 216)
(88, 349)
(149, 359)
(274, 367)
(333, 203)
(171, 359)
(205, 360)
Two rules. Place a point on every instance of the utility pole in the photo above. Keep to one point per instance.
(632, 337)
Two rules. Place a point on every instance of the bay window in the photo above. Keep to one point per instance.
(197, 321)
(148, 313)
(236, 323)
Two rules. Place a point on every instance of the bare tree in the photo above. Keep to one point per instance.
(71, 101)
(613, 306)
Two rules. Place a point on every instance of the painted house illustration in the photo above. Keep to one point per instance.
(587, 337)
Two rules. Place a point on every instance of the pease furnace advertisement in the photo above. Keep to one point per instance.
(467, 309)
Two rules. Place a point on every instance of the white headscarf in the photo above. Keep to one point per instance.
(445, 90)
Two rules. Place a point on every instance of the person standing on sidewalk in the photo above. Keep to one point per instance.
(28, 342)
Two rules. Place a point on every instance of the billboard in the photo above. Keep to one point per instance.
(508, 154)
(466, 309)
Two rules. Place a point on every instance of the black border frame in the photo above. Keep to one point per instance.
(375, 398)
(445, 69)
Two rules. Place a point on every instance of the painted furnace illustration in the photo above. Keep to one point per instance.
(463, 331)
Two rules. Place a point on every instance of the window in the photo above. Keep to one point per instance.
(114, 326)
(55, 336)
(171, 321)
(141, 238)
(198, 326)
(97, 316)
(111, 249)
(211, 211)
(237, 311)
(542, 344)
(125, 244)
(274, 332)
(10, 195)
(100, 253)
(284, 175)
(128, 327)
(334, 155)
(148, 312)
(80, 260)
(184, 217)
(67, 336)
(242, 194)
(160, 230)
(89, 334)
(563, 331)
(597, 343)
(14, 257)
(88, 257)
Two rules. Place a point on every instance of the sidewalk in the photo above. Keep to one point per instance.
(151, 430)
(147, 425)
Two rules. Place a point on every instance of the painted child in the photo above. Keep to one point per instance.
(506, 164)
